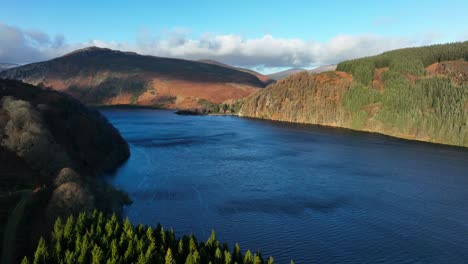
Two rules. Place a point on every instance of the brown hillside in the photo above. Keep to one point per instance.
(303, 98)
(456, 70)
(103, 76)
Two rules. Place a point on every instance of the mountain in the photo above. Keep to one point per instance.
(283, 74)
(52, 150)
(415, 93)
(99, 76)
(265, 79)
(323, 69)
(5, 66)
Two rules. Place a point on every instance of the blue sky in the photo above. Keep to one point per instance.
(192, 25)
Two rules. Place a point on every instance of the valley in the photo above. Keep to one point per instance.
(233, 132)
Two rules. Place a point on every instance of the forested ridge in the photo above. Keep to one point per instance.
(95, 238)
(416, 93)
(409, 60)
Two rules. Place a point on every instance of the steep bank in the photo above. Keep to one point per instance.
(55, 147)
(418, 93)
(98, 76)
(302, 98)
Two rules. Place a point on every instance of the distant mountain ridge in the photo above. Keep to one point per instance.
(6, 65)
(284, 74)
(264, 78)
(324, 68)
(100, 76)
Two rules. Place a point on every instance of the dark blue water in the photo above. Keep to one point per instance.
(316, 195)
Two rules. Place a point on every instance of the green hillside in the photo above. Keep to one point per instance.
(414, 93)
(404, 61)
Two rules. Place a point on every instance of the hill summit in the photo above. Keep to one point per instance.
(101, 76)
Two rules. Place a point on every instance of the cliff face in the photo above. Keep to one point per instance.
(302, 98)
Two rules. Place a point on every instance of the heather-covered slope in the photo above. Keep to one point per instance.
(303, 98)
(101, 76)
(417, 93)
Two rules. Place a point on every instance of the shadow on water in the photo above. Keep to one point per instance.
(173, 141)
(282, 205)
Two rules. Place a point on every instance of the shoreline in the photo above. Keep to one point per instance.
(194, 113)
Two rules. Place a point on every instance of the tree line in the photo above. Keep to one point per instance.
(435, 107)
(96, 238)
(409, 60)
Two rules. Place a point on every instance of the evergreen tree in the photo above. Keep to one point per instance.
(212, 239)
(69, 257)
(270, 260)
(41, 256)
(196, 257)
(25, 260)
(227, 257)
(97, 255)
(169, 257)
(218, 256)
(237, 254)
(248, 259)
(58, 229)
(150, 251)
(83, 250)
(68, 229)
(163, 236)
(192, 244)
(114, 249)
(257, 259)
(189, 259)
(142, 259)
(150, 234)
(130, 252)
(58, 249)
(115, 246)
(80, 223)
(128, 228)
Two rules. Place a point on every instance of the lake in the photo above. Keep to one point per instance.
(308, 193)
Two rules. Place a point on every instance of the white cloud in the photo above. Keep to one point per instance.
(266, 52)
(23, 46)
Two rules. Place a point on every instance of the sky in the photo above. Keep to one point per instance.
(263, 35)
